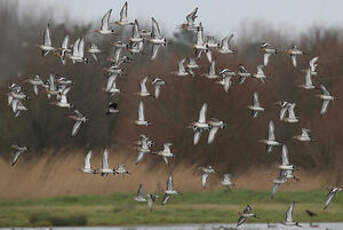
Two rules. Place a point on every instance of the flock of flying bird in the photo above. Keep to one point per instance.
(58, 87)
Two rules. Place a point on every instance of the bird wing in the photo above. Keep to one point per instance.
(105, 160)
(181, 66)
(212, 134)
(135, 30)
(196, 138)
(284, 155)
(225, 42)
(170, 182)
(305, 133)
(63, 99)
(35, 89)
(111, 82)
(204, 179)
(313, 63)
(308, 80)
(294, 60)
(165, 198)
(266, 58)
(289, 213)
(212, 70)
(16, 157)
(141, 111)
(166, 147)
(81, 48)
(94, 57)
(241, 220)
(255, 100)
(88, 159)
(271, 135)
(78, 114)
(260, 69)
(155, 28)
(15, 103)
(291, 113)
(165, 159)
(329, 198)
(202, 114)
(283, 112)
(47, 39)
(105, 20)
(143, 85)
(324, 90)
(192, 16)
(154, 52)
(140, 157)
(227, 83)
(275, 189)
(76, 128)
(65, 42)
(76, 47)
(324, 106)
(209, 55)
(140, 191)
(150, 203)
(242, 69)
(157, 90)
(123, 12)
(9, 100)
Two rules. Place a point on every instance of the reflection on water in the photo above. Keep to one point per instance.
(261, 226)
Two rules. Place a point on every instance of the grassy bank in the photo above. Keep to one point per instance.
(203, 207)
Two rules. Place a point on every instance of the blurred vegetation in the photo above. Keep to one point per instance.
(45, 127)
(203, 207)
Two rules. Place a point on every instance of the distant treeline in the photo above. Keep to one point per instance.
(236, 148)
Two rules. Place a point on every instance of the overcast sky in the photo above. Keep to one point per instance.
(218, 16)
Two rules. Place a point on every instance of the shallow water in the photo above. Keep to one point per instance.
(260, 226)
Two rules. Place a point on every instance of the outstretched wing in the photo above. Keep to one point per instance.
(204, 179)
(105, 20)
(170, 182)
(105, 160)
(123, 12)
(324, 90)
(140, 191)
(192, 16)
(165, 198)
(241, 220)
(274, 190)
(154, 53)
(155, 28)
(284, 155)
(255, 100)
(289, 213)
(88, 159)
(16, 157)
(212, 70)
(329, 198)
(202, 114)
(47, 39)
(324, 106)
(212, 134)
(141, 111)
(181, 66)
(294, 60)
(196, 137)
(144, 90)
(271, 135)
(76, 128)
(266, 58)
